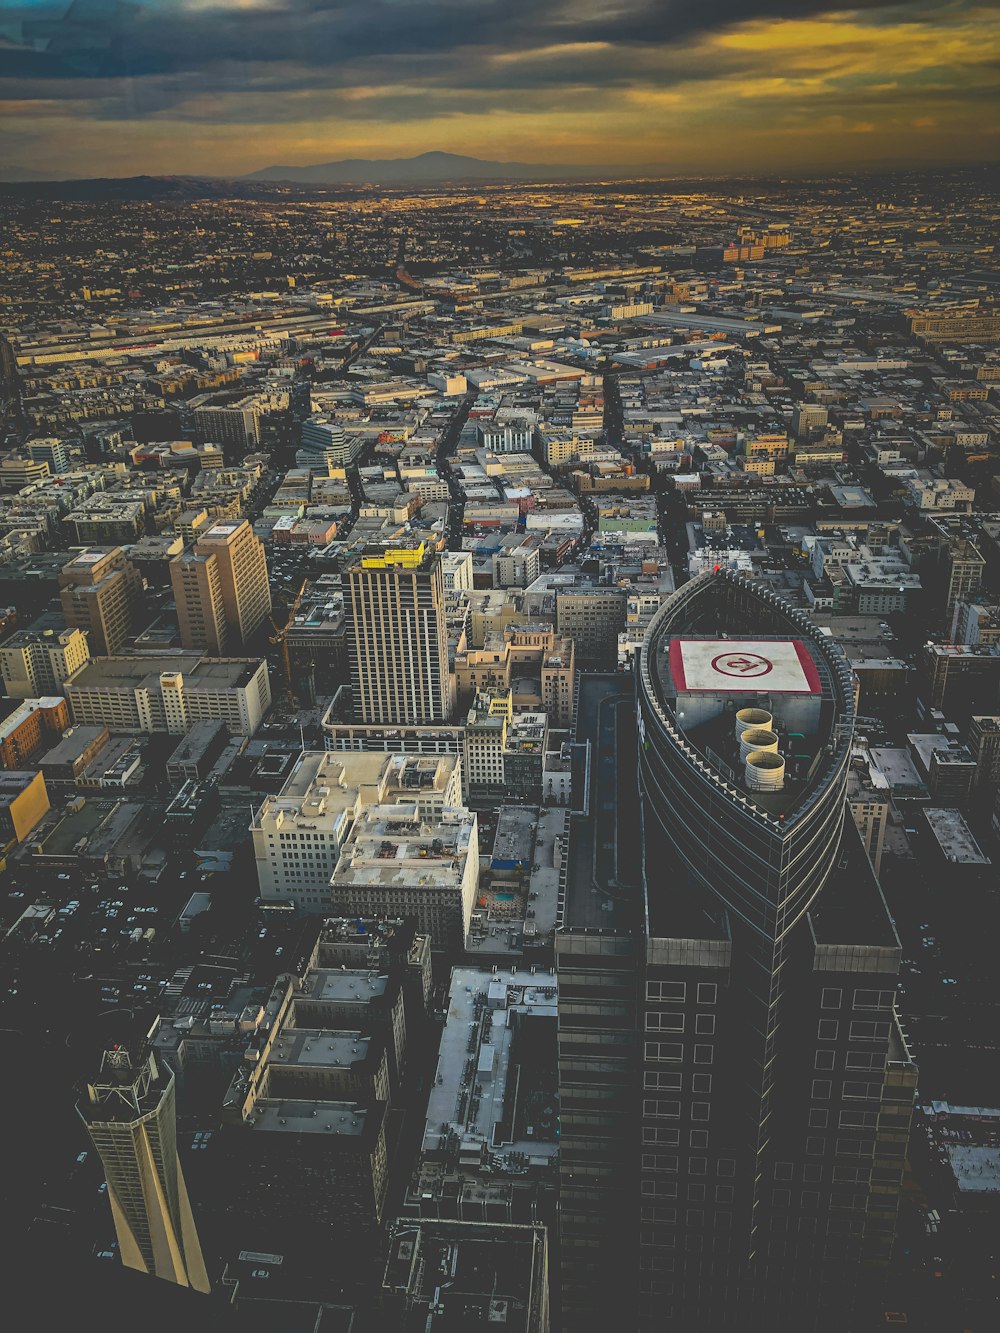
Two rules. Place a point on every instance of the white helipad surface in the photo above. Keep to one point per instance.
(742, 666)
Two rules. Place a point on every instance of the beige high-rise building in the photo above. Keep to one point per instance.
(201, 611)
(131, 1117)
(221, 589)
(101, 592)
(397, 638)
(39, 662)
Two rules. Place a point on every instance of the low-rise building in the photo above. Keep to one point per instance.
(395, 861)
(299, 835)
(170, 692)
(31, 727)
(24, 800)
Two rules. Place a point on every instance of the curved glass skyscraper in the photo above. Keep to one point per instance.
(776, 1087)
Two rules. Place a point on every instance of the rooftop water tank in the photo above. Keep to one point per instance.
(757, 738)
(765, 770)
(752, 717)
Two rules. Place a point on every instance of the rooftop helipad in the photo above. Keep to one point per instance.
(739, 666)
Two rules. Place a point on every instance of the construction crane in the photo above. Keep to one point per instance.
(280, 637)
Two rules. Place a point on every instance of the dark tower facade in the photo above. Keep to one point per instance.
(10, 382)
(776, 1084)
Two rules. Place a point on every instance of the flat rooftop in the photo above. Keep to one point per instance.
(731, 665)
(130, 673)
(954, 837)
(899, 769)
(495, 1275)
(340, 987)
(317, 1046)
(480, 1093)
(515, 834)
(976, 1167)
(343, 1119)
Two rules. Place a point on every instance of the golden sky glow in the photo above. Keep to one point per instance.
(217, 87)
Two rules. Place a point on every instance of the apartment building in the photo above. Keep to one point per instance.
(101, 592)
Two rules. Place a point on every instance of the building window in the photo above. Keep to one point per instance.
(874, 999)
(824, 1060)
(827, 1029)
(864, 1031)
(707, 992)
(704, 1024)
(665, 1110)
(821, 1087)
(831, 998)
(664, 1021)
(664, 1050)
(662, 1081)
(703, 1055)
(872, 1061)
(666, 990)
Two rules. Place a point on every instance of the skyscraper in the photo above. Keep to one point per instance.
(776, 1085)
(201, 612)
(131, 1118)
(397, 636)
(221, 589)
(101, 592)
(10, 380)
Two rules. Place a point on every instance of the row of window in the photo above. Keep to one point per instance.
(707, 991)
(668, 1189)
(674, 1051)
(661, 1109)
(672, 1020)
(851, 1090)
(833, 997)
(828, 1029)
(661, 1080)
(872, 1062)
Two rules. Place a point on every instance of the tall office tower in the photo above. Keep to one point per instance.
(776, 1084)
(397, 638)
(201, 612)
(221, 588)
(101, 592)
(131, 1117)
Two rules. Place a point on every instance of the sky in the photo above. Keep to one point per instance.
(223, 87)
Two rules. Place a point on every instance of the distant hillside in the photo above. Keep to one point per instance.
(132, 188)
(426, 167)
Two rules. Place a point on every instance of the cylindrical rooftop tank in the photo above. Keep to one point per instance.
(757, 738)
(752, 717)
(765, 770)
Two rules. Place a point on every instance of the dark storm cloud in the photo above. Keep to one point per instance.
(104, 39)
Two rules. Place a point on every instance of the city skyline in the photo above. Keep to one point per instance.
(227, 87)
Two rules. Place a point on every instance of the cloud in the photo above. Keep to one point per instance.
(630, 80)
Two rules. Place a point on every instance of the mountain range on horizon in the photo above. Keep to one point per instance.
(430, 166)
